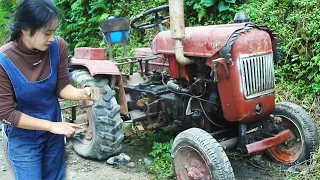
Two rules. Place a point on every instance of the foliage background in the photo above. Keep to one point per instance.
(6, 9)
(295, 21)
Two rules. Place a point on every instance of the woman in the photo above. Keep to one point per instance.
(33, 74)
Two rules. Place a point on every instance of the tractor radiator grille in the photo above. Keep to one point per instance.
(257, 75)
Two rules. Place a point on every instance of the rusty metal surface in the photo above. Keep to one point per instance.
(291, 150)
(189, 164)
(177, 25)
(122, 97)
(234, 104)
(97, 66)
(268, 142)
(176, 70)
(202, 41)
(89, 53)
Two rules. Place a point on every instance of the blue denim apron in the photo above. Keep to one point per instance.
(35, 154)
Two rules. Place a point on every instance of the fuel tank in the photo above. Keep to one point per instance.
(202, 41)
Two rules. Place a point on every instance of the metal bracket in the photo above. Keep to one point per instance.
(215, 63)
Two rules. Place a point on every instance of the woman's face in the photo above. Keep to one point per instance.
(42, 39)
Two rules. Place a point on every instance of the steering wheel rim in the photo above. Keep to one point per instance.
(148, 25)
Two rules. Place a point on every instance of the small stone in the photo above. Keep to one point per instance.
(119, 159)
(131, 165)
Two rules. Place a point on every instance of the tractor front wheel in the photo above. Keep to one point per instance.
(197, 155)
(303, 141)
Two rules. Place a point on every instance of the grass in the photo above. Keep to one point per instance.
(158, 147)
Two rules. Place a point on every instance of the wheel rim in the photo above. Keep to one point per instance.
(86, 136)
(291, 149)
(189, 164)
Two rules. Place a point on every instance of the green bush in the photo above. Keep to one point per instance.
(162, 166)
(80, 23)
(297, 24)
(6, 9)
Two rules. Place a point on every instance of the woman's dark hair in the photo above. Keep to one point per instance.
(33, 15)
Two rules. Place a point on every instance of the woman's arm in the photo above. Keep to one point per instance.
(9, 115)
(75, 94)
(64, 89)
(28, 122)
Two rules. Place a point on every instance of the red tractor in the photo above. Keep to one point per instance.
(214, 84)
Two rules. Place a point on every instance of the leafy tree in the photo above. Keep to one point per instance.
(6, 9)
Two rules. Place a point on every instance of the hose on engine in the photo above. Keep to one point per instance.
(175, 88)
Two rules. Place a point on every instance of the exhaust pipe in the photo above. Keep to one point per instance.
(177, 26)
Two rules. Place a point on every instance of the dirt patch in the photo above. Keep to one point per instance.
(78, 168)
(249, 167)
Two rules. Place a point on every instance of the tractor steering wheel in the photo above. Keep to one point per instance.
(156, 20)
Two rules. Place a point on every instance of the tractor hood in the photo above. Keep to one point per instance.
(202, 41)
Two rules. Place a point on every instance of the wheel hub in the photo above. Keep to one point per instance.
(195, 169)
(190, 165)
(290, 150)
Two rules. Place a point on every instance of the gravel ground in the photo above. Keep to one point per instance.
(79, 168)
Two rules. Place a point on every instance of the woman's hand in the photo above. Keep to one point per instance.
(85, 93)
(67, 129)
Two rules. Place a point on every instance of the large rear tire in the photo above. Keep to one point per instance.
(197, 155)
(103, 134)
(304, 138)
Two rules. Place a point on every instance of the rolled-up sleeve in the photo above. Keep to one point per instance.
(8, 113)
(63, 78)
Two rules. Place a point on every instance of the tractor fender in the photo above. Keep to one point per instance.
(97, 66)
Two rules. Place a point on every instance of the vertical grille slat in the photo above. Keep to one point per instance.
(247, 86)
(264, 73)
(268, 74)
(249, 78)
(261, 73)
(257, 75)
(253, 73)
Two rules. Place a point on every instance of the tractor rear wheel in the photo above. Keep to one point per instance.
(303, 141)
(102, 135)
(197, 155)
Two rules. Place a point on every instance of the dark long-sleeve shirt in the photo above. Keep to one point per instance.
(35, 66)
